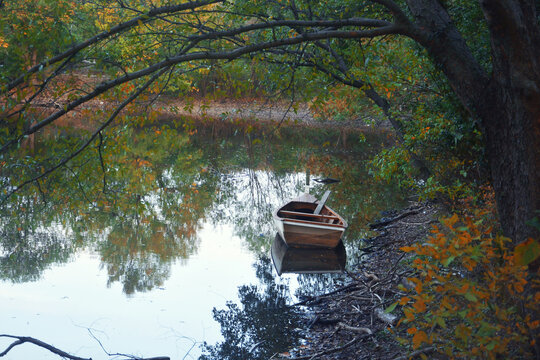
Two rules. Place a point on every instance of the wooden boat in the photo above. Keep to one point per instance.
(307, 222)
(307, 260)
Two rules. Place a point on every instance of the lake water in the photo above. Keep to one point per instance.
(167, 246)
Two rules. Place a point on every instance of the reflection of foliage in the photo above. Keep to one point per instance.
(28, 244)
(142, 210)
(310, 284)
(137, 272)
(156, 221)
(25, 254)
(139, 255)
(261, 327)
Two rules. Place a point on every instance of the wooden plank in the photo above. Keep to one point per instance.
(322, 202)
(319, 216)
(340, 225)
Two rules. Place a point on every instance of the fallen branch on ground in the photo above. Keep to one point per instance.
(329, 351)
(315, 298)
(383, 222)
(355, 329)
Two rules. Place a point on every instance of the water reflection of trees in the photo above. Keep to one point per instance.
(26, 253)
(261, 325)
(143, 209)
(141, 214)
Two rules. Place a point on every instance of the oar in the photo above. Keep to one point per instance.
(322, 202)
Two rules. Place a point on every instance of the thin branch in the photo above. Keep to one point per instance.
(131, 357)
(396, 11)
(24, 339)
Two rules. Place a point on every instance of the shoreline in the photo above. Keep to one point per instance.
(351, 322)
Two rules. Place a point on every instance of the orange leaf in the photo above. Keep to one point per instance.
(408, 314)
(412, 330)
(419, 338)
(449, 222)
(420, 306)
(404, 300)
(407, 248)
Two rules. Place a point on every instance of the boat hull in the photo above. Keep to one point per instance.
(299, 227)
(299, 234)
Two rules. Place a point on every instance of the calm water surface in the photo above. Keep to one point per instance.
(167, 252)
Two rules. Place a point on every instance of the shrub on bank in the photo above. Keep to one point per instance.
(473, 295)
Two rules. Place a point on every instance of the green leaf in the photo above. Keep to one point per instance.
(440, 321)
(470, 296)
(526, 252)
(391, 308)
(448, 261)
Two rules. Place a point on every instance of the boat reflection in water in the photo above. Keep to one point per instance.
(307, 260)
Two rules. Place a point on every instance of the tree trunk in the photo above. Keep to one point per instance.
(512, 136)
(511, 116)
(507, 104)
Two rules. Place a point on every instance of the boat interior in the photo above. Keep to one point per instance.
(304, 212)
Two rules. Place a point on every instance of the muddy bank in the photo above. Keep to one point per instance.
(350, 322)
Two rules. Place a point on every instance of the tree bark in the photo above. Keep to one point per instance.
(507, 103)
(511, 117)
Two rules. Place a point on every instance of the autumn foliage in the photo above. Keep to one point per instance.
(473, 296)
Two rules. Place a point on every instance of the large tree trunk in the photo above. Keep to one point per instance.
(507, 103)
(511, 117)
